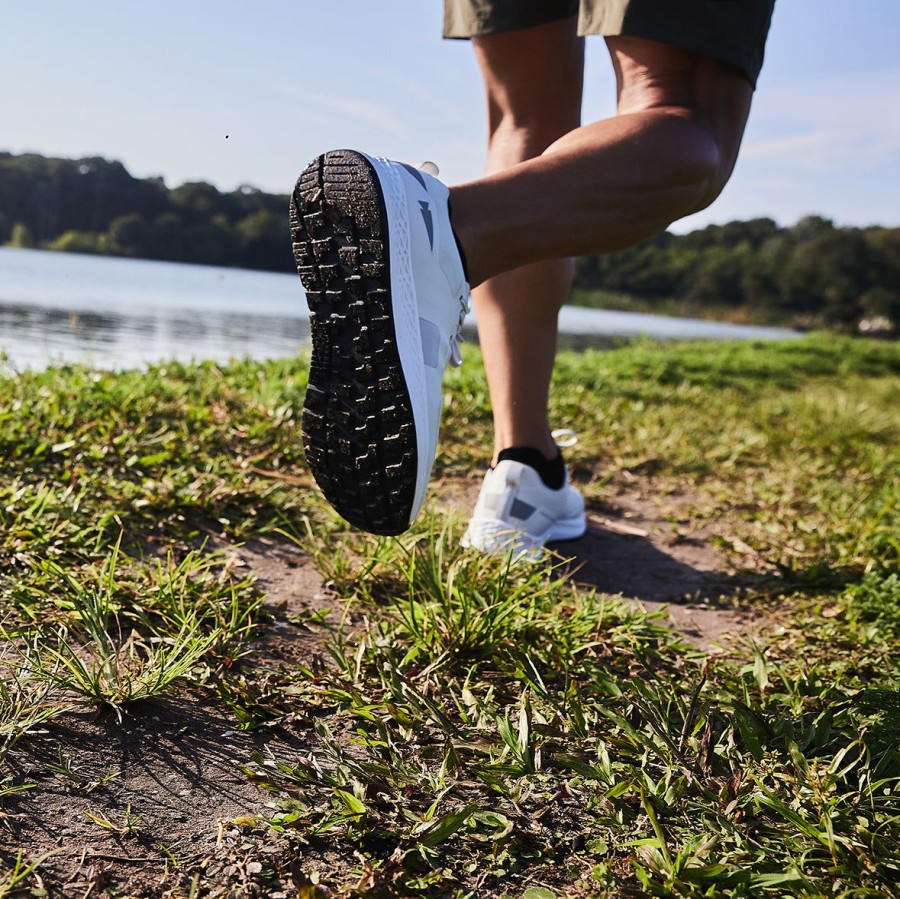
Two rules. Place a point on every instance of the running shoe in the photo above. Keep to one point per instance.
(387, 295)
(517, 513)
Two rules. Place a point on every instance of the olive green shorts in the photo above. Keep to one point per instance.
(733, 31)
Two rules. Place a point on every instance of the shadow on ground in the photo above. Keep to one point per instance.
(655, 571)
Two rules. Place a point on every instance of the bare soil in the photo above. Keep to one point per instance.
(153, 806)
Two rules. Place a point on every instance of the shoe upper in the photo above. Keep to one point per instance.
(442, 293)
(437, 283)
(516, 510)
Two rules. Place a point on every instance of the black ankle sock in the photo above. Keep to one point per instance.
(551, 471)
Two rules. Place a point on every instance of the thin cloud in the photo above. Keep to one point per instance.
(828, 125)
(365, 111)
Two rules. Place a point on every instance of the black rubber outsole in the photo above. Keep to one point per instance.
(358, 429)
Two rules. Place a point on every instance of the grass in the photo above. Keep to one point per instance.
(480, 728)
(15, 879)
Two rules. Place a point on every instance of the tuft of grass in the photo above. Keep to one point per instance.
(114, 670)
(128, 826)
(26, 703)
(108, 648)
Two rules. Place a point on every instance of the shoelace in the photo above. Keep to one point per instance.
(458, 338)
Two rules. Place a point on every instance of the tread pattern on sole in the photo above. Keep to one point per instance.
(358, 429)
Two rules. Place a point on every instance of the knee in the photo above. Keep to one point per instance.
(700, 165)
(709, 174)
(700, 104)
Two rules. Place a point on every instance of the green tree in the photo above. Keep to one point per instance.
(265, 242)
(197, 202)
(880, 301)
(129, 235)
(167, 238)
(210, 244)
(716, 278)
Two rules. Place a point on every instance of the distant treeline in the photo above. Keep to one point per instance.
(813, 273)
(95, 206)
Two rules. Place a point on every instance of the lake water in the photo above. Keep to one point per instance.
(125, 313)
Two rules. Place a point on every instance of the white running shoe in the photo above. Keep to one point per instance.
(516, 512)
(387, 295)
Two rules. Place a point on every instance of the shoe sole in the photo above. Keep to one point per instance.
(569, 529)
(559, 532)
(358, 426)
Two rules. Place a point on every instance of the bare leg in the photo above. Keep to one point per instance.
(533, 81)
(608, 185)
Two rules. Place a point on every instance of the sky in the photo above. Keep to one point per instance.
(237, 93)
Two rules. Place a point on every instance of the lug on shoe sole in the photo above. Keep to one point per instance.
(358, 429)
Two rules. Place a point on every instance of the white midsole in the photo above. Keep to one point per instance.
(568, 529)
(405, 308)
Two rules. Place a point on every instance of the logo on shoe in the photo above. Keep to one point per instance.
(521, 510)
(425, 209)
